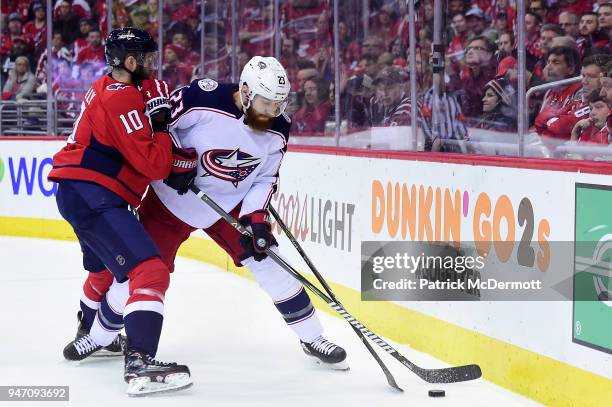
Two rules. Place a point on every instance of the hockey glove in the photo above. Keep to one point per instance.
(184, 169)
(262, 238)
(157, 106)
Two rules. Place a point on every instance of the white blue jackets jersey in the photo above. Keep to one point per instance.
(237, 164)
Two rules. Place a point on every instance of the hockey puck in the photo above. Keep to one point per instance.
(437, 393)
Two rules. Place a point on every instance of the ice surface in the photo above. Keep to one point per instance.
(223, 326)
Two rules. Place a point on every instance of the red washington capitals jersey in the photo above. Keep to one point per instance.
(112, 143)
(561, 110)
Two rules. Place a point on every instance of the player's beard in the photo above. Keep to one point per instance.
(258, 121)
(139, 74)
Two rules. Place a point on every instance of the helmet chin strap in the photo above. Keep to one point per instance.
(245, 108)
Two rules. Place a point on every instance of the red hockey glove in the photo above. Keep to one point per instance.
(262, 238)
(157, 106)
(184, 169)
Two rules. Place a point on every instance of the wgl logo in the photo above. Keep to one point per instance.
(31, 172)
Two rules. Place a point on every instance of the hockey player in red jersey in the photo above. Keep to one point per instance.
(119, 144)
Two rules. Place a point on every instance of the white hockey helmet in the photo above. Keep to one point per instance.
(266, 78)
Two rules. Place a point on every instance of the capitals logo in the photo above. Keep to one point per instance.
(116, 86)
(229, 165)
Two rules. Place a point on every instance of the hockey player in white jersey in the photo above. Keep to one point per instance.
(240, 133)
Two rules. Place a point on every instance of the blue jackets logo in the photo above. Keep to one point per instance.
(229, 165)
(28, 175)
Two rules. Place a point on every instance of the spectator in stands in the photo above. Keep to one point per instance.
(390, 105)
(85, 26)
(174, 72)
(480, 68)
(498, 107)
(536, 7)
(140, 17)
(569, 22)
(533, 23)
(402, 25)
(323, 37)
(67, 21)
(456, 49)
(181, 39)
(355, 102)
(593, 68)
(548, 32)
(217, 57)
(588, 24)
(315, 109)
(350, 48)
(423, 71)
(456, 7)
(606, 84)
(476, 21)
(589, 33)
(384, 25)
(15, 30)
(21, 81)
(372, 48)
(93, 53)
(80, 7)
(19, 49)
(604, 15)
(505, 45)
(593, 129)
(307, 70)
(36, 29)
(58, 52)
(153, 6)
(558, 113)
(256, 33)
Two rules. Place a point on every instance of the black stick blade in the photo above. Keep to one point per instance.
(452, 374)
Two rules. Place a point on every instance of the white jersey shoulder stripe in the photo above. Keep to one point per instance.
(278, 134)
(209, 109)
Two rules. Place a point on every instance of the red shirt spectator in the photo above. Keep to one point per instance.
(312, 116)
(15, 30)
(562, 107)
(384, 25)
(456, 48)
(596, 135)
(79, 7)
(561, 110)
(189, 57)
(36, 29)
(94, 52)
(175, 72)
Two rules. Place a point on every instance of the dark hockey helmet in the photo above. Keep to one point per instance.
(122, 42)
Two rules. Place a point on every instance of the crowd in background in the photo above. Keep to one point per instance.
(564, 39)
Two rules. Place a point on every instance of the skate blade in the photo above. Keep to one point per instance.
(143, 386)
(104, 353)
(342, 366)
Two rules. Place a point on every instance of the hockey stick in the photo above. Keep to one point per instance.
(319, 277)
(445, 375)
